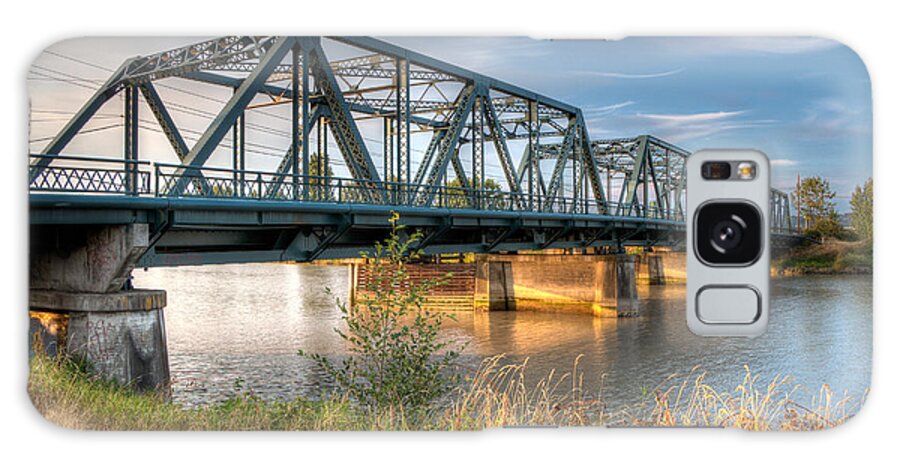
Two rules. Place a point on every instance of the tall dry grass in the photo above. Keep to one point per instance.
(779, 404)
(496, 394)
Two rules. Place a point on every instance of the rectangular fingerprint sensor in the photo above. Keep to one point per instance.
(724, 304)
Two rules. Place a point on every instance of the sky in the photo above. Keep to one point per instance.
(805, 102)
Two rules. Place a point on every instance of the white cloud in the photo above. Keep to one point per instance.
(619, 75)
(607, 109)
(692, 126)
(689, 118)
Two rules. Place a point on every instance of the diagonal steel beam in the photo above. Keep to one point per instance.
(561, 158)
(286, 161)
(158, 108)
(429, 156)
(223, 122)
(460, 170)
(634, 178)
(342, 124)
(502, 149)
(101, 96)
(164, 119)
(589, 164)
(449, 142)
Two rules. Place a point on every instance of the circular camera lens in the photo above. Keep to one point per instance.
(726, 235)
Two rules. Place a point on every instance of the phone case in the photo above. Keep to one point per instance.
(435, 233)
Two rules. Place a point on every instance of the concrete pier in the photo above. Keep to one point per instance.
(81, 303)
(661, 267)
(121, 335)
(604, 285)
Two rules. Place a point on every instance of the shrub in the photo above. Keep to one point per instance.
(396, 361)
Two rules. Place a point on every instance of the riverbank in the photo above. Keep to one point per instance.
(830, 257)
(496, 395)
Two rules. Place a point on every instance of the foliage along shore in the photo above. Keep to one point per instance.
(830, 257)
(495, 395)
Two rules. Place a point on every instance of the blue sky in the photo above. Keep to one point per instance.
(806, 102)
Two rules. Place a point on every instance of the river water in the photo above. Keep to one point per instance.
(245, 323)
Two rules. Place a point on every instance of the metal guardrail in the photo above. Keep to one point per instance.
(72, 174)
(90, 175)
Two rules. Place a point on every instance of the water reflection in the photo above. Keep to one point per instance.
(247, 322)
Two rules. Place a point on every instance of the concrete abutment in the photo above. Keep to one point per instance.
(81, 303)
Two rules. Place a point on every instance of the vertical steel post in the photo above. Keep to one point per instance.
(403, 148)
(478, 181)
(645, 180)
(388, 144)
(305, 123)
(667, 185)
(295, 119)
(534, 161)
(237, 155)
(388, 156)
(324, 155)
(131, 139)
(575, 185)
(321, 185)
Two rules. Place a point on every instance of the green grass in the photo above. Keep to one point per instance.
(68, 395)
(494, 395)
(830, 257)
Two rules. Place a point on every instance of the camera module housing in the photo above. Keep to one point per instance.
(727, 221)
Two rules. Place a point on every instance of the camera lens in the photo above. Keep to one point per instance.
(728, 233)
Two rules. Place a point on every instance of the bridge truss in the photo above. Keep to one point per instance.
(438, 126)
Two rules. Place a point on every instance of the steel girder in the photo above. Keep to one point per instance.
(405, 89)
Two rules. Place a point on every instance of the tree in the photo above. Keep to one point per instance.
(861, 210)
(396, 360)
(457, 197)
(319, 189)
(815, 203)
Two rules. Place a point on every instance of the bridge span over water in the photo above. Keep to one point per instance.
(408, 133)
(366, 130)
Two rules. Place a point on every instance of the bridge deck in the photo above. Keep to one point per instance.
(207, 231)
(551, 185)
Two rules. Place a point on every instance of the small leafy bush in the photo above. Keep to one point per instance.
(396, 360)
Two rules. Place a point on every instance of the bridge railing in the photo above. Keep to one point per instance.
(78, 174)
(211, 182)
(72, 174)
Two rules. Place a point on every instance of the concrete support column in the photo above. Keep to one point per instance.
(650, 268)
(661, 267)
(615, 289)
(92, 259)
(81, 303)
(121, 335)
(494, 289)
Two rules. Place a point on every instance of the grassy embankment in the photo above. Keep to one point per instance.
(829, 257)
(495, 395)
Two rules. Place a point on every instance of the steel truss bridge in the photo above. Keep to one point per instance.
(556, 188)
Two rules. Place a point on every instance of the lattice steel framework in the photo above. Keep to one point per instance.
(541, 146)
